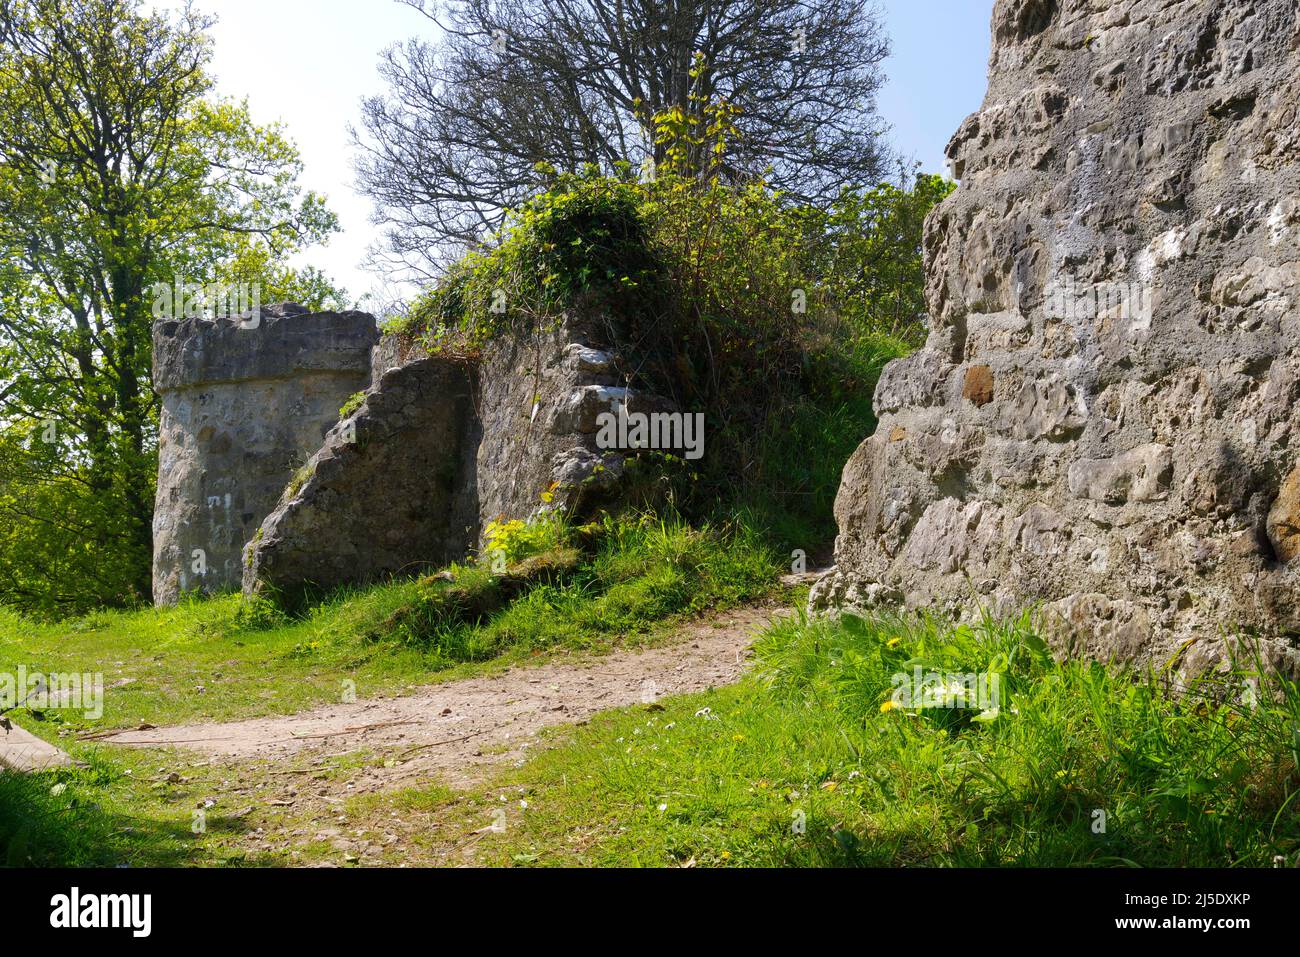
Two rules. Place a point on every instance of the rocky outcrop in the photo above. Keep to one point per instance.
(245, 402)
(1104, 418)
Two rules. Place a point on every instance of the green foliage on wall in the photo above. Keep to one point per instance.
(772, 318)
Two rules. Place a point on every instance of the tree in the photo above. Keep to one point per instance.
(118, 171)
(510, 84)
(870, 255)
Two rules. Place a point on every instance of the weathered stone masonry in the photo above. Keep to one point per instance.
(1128, 460)
(440, 448)
(258, 472)
(243, 407)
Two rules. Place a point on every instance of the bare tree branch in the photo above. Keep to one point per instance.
(512, 83)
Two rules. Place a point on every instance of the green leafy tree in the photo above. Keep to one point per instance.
(118, 170)
(870, 255)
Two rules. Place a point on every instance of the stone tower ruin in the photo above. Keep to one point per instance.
(262, 482)
(244, 404)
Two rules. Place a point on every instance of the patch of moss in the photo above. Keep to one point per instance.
(353, 403)
(300, 478)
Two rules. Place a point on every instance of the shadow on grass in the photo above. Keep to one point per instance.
(49, 819)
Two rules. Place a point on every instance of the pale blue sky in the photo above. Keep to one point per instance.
(309, 62)
(937, 73)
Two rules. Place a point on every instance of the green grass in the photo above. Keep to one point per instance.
(138, 808)
(225, 659)
(799, 458)
(641, 574)
(211, 660)
(799, 766)
(110, 813)
(815, 759)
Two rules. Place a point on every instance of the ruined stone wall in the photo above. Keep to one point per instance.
(386, 494)
(438, 450)
(244, 405)
(540, 398)
(1104, 417)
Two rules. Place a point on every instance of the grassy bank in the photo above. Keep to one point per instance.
(225, 659)
(818, 758)
(811, 763)
(824, 756)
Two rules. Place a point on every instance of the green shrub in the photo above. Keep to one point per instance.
(66, 544)
(257, 613)
(354, 402)
(515, 540)
(874, 280)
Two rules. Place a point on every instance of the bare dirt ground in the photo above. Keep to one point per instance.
(456, 731)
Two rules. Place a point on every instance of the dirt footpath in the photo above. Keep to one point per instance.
(457, 729)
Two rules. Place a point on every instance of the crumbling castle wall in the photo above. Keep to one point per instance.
(1104, 419)
(441, 447)
(244, 404)
(387, 493)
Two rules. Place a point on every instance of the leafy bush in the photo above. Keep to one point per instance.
(512, 541)
(256, 613)
(869, 260)
(771, 318)
(66, 545)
